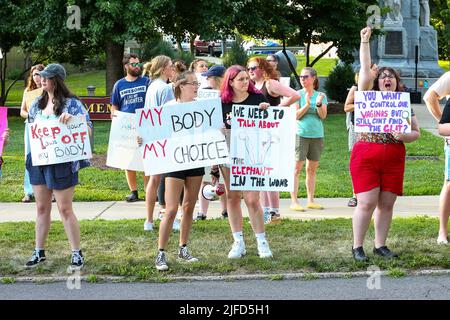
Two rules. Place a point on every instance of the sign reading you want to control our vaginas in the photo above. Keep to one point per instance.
(382, 112)
(181, 136)
(262, 150)
(53, 142)
(123, 148)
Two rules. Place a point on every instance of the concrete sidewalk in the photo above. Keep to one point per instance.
(407, 206)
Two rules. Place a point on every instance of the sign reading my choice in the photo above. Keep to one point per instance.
(181, 136)
(382, 112)
(53, 142)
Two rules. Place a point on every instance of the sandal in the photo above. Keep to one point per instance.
(353, 202)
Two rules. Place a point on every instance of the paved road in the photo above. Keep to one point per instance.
(412, 287)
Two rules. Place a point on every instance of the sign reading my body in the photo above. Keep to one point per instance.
(187, 121)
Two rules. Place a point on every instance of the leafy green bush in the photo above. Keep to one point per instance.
(13, 73)
(339, 80)
(235, 55)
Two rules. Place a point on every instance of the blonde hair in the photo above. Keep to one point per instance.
(157, 66)
(193, 65)
(146, 69)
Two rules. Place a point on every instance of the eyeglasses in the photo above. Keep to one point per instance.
(194, 83)
(252, 68)
(304, 77)
(135, 64)
(386, 75)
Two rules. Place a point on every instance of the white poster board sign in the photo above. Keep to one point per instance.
(285, 81)
(123, 149)
(207, 94)
(182, 136)
(262, 150)
(382, 112)
(53, 142)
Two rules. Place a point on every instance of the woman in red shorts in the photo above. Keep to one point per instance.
(377, 163)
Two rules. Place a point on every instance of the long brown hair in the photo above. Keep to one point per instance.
(60, 94)
(31, 85)
(313, 73)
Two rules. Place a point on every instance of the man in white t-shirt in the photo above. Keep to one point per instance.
(437, 91)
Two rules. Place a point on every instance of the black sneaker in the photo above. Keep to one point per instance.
(200, 217)
(359, 255)
(184, 255)
(133, 197)
(385, 252)
(37, 258)
(225, 214)
(161, 261)
(77, 261)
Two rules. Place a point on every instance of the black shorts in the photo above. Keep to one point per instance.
(183, 174)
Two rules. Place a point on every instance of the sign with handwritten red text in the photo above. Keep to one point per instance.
(123, 148)
(262, 150)
(180, 136)
(53, 142)
(3, 126)
(382, 112)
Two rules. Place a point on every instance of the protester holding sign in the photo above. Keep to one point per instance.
(266, 79)
(128, 95)
(214, 77)
(159, 93)
(238, 89)
(56, 102)
(185, 87)
(310, 133)
(377, 163)
(199, 66)
(32, 91)
(437, 91)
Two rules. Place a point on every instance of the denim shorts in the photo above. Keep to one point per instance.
(55, 176)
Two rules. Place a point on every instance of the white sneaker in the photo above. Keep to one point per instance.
(237, 250)
(442, 241)
(264, 250)
(176, 225)
(148, 226)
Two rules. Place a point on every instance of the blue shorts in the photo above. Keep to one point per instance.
(55, 176)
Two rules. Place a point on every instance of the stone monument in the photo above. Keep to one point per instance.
(406, 26)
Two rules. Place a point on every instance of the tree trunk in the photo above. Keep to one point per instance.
(27, 64)
(114, 67)
(191, 43)
(308, 47)
(3, 65)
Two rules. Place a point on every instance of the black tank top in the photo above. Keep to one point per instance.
(273, 101)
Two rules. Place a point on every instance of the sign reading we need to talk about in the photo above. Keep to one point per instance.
(382, 112)
(262, 150)
(53, 142)
(181, 136)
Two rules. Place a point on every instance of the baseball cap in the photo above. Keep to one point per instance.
(214, 71)
(53, 70)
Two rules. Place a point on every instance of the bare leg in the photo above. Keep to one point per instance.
(233, 203)
(255, 211)
(311, 170)
(172, 196)
(64, 200)
(43, 196)
(150, 195)
(383, 217)
(444, 210)
(298, 170)
(131, 179)
(191, 187)
(367, 201)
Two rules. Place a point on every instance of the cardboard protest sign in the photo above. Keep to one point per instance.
(382, 112)
(182, 136)
(53, 142)
(123, 149)
(285, 81)
(262, 150)
(30, 96)
(3, 126)
(207, 94)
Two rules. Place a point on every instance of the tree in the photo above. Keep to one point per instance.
(440, 20)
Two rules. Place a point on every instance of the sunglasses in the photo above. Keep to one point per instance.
(304, 77)
(135, 64)
(252, 68)
(194, 83)
(386, 75)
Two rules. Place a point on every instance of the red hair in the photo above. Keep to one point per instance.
(226, 91)
(266, 67)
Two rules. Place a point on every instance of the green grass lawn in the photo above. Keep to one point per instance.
(121, 248)
(444, 65)
(422, 177)
(77, 83)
